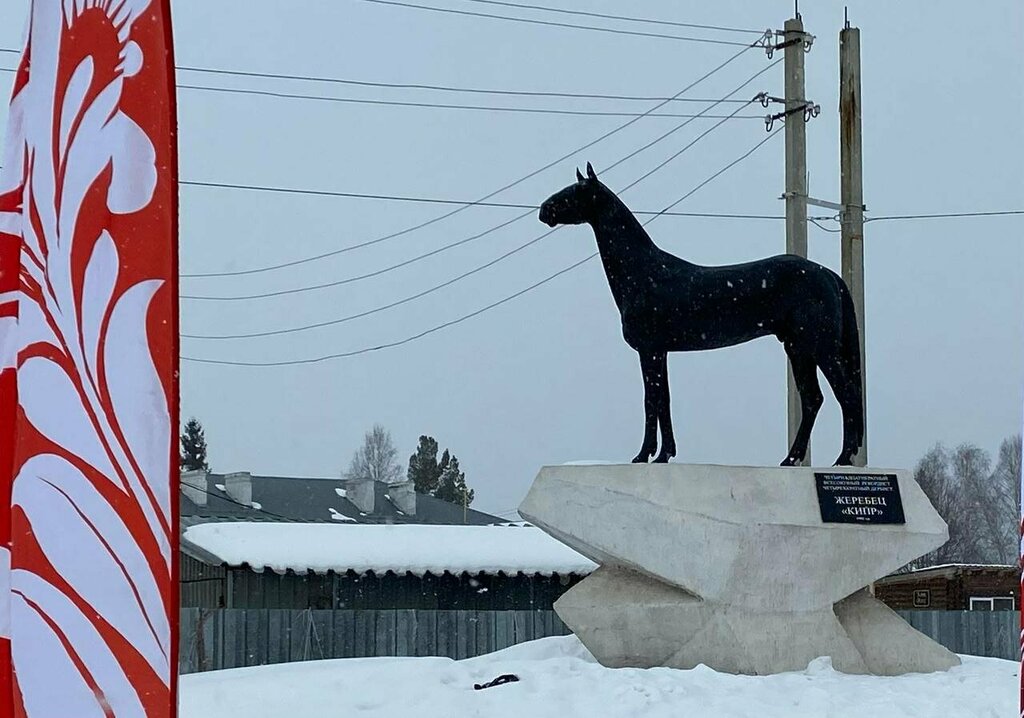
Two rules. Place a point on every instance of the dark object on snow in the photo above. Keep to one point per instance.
(506, 678)
(668, 304)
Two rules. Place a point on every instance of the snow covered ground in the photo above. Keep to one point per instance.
(559, 679)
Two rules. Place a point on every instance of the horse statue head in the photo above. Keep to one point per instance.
(576, 204)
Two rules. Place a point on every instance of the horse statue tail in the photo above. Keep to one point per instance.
(850, 351)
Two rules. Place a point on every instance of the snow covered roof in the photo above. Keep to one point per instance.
(964, 565)
(947, 569)
(400, 548)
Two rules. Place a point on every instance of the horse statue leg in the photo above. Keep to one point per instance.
(648, 367)
(846, 386)
(664, 407)
(805, 374)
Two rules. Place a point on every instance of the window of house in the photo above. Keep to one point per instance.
(997, 603)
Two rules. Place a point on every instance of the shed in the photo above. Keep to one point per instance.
(360, 566)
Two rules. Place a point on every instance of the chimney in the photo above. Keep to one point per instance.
(239, 487)
(360, 492)
(194, 485)
(403, 496)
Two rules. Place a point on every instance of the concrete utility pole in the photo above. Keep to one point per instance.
(852, 192)
(796, 181)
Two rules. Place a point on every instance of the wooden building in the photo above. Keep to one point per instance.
(324, 566)
(952, 587)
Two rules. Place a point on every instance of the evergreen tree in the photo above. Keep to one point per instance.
(424, 471)
(452, 484)
(193, 447)
(440, 478)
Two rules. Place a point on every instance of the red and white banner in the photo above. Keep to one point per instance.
(89, 196)
(11, 190)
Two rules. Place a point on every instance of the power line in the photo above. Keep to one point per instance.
(350, 280)
(455, 211)
(945, 215)
(530, 210)
(439, 250)
(442, 88)
(460, 202)
(821, 226)
(407, 340)
(375, 310)
(616, 17)
(484, 202)
(552, 23)
(729, 166)
(475, 313)
(659, 166)
(436, 105)
(443, 105)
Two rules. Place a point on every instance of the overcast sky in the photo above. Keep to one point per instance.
(547, 378)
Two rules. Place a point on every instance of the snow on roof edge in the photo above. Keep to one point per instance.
(381, 548)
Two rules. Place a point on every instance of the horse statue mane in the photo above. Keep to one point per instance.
(667, 304)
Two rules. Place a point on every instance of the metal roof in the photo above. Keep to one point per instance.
(309, 500)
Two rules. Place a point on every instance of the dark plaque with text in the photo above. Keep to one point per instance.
(859, 498)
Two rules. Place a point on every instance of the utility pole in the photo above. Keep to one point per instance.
(852, 193)
(796, 181)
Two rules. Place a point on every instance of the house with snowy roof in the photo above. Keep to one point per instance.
(300, 566)
(274, 543)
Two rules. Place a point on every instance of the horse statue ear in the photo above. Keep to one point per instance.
(590, 172)
(579, 177)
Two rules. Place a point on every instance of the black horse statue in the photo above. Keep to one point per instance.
(668, 304)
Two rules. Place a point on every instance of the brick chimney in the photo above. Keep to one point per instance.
(239, 487)
(194, 485)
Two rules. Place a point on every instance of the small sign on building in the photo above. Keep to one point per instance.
(922, 598)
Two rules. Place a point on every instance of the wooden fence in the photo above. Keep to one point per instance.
(977, 633)
(212, 639)
(218, 638)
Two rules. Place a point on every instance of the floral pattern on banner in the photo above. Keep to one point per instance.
(94, 530)
(11, 191)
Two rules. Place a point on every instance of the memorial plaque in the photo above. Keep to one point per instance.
(859, 498)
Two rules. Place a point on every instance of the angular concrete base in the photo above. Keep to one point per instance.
(628, 619)
(731, 568)
(889, 645)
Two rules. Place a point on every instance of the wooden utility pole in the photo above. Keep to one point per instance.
(852, 192)
(796, 181)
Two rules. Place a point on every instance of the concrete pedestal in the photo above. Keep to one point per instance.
(732, 567)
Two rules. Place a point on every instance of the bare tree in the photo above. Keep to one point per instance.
(1005, 488)
(932, 473)
(981, 506)
(971, 468)
(376, 459)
